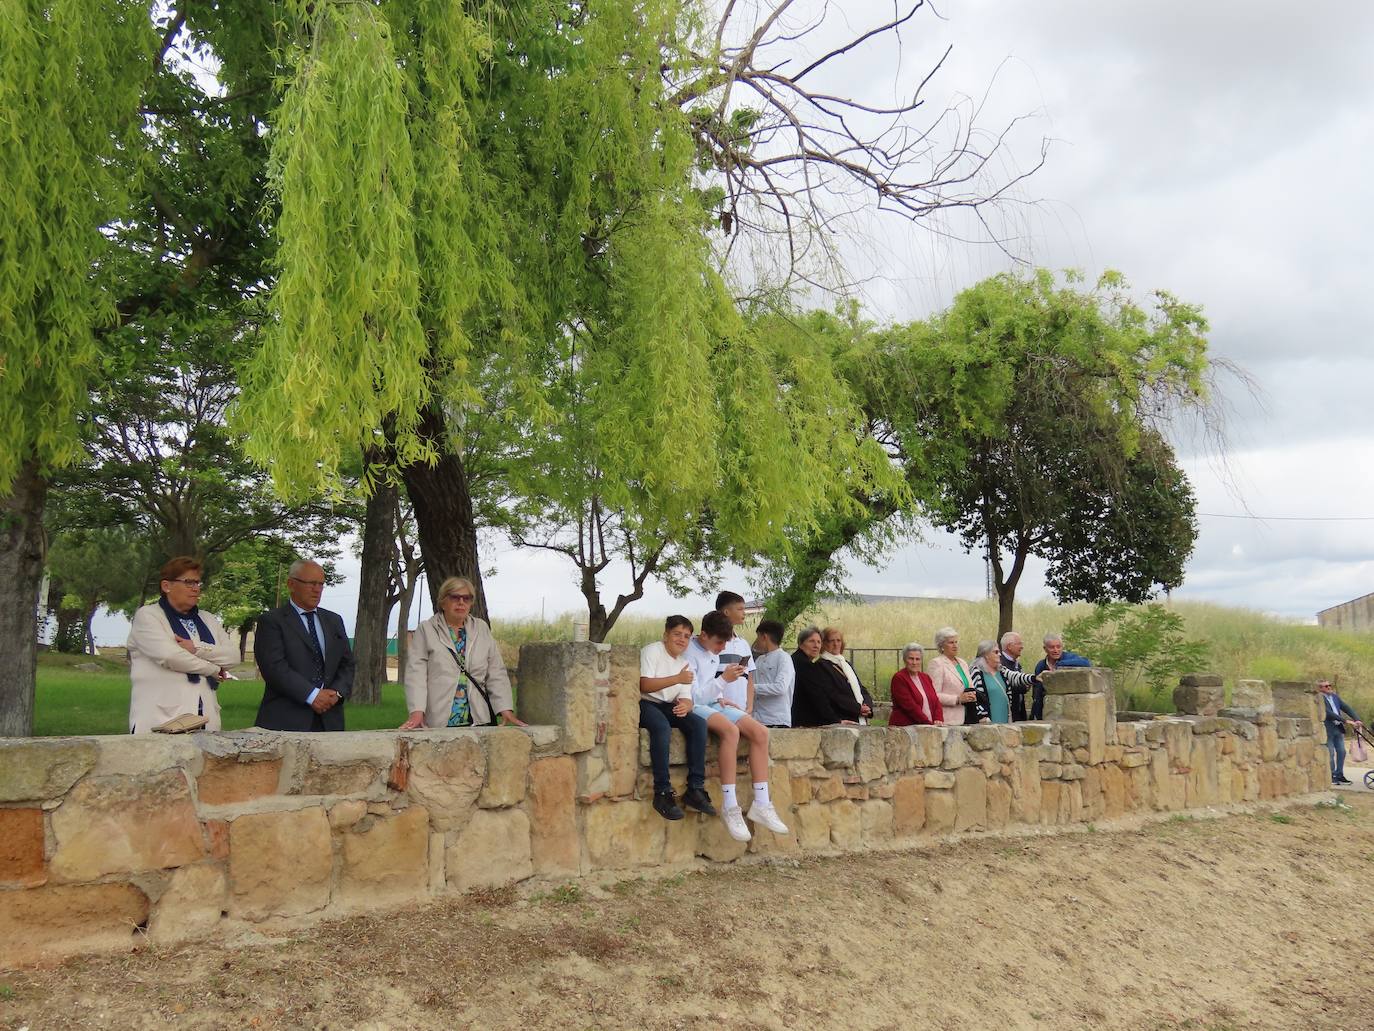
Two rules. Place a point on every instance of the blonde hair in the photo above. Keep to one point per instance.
(450, 585)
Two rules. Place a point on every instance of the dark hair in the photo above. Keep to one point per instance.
(725, 598)
(176, 567)
(673, 622)
(717, 624)
(773, 630)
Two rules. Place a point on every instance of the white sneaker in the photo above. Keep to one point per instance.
(734, 823)
(768, 816)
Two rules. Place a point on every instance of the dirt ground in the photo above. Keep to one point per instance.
(1249, 921)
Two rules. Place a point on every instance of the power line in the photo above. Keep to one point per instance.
(1289, 519)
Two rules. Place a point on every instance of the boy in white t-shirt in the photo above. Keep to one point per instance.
(737, 650)
(713, 689)
(665, 702)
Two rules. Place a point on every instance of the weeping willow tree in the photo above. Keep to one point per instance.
(70, 83)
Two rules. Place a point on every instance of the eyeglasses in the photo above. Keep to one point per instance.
(189, 583)
(307, 583)
(459, 597)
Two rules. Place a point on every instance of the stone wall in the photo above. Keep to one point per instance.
(106, 841)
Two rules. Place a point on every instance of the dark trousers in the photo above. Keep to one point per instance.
(658, 719)
(1018, 706)
(1038, 702)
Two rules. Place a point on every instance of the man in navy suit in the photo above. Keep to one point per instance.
(305, 659)
(1336, 712)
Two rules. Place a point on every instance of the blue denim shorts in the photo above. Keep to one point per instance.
(728, 711)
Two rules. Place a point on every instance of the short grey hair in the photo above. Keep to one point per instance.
(296, 568)
(986, 648)
(806, 633)
(1008, 636)
(912, 647)
(1052, 636)
(944, 634)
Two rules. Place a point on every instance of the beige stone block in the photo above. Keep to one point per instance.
(876, 821)
(1091, 787)
(1203, 784)
(1178, 741)
(1139, 789)
(494, 849)
(1050, 798)
(870, 758)
(508, 763)
(908, 805)
(983, 737)
(560, 685)
(52, 921)
(1025, 789)
(941, 811)
(555, 846)
(857, 792)
(1035, 733)
(346, 812)
(939, 780)
(385, 858)
(125, 825)
(1011, 735)
(280, 864)
(35, 770)
(899, 748)
(1074, 794)
(971, 798)
(999, 804)
(1296, 698)
(801, 789)
(846, 826)
(594, 774)
(928, 745)
(957, 751)
(780, 794)
(794, 743)
(438, 877)
(1113, 792)
(1079, 680)
(1199, 695)
(622, 693)
(829, 789)
(1072, 772)
(22, 847)
(193, 904)
(358, 778)
(1252, 694)
(1088, 709)
(812, 824)
(226, 781)
(838, 745)
(882, 789)
(1133, 759)
(621, 835)
(1051, 771)
(446, 777)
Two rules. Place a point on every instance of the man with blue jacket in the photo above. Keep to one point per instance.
(1055, 658)
(1335, 712)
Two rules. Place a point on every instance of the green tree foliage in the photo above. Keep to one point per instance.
(1145, 647)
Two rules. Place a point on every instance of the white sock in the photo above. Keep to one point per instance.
(761, 793)
(728, 790)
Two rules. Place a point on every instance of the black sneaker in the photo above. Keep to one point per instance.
(665, 804)
(698, 799)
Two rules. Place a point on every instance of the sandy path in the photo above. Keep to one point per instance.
(1211, 924)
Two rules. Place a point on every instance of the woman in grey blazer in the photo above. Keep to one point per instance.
(455, 676)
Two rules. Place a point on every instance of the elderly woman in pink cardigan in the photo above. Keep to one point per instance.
(950, 674)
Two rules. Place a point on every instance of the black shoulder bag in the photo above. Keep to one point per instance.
(481, 689)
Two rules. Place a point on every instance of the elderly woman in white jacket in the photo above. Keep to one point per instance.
(177, 653)
(455, 676)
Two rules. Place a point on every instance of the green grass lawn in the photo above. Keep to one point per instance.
(73, 701)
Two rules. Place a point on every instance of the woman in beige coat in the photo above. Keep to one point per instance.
(441, 692)
(176, 653)
(950, 675)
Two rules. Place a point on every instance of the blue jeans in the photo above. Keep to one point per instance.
(1335, 741)
(658, 719)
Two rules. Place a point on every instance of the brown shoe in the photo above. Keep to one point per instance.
(183, 724)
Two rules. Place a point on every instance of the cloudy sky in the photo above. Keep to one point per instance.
(1218, 150)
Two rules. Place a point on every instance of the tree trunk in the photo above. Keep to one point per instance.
(370, 631)
(70, 636)
(245, 628)
(1006, 585)
(21, 578)
(814, 561)
(442, 503)
(412, 576)
(90, 631)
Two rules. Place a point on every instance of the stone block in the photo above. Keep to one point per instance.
(941, 811)
(136, 756)
(957, 752)
(621, 835)
(1089, 710)
(226, 781)
(677, 749)
(870, 755)
(508, 763)
(999, 803)
(793, 743)
(346, 812)
(1051, 795)
(1199, 695)
(36, 770)
(1071, 735)
(908, 805)
(623, 690)
(838, 745)
(385, 858)
(1268, 743)
(1252, 694)
(829, 789)
(351, 778)
(928, 747)
(280, 864)
(939, 780)
(1026, 789)
(1113, 792)
(22, 847)
(858, 792)
(812, 824)
(1072, 771)
(1080, 680)
(45, 923)
(193, 904)
(780, 794)
(555, 847)
(593, 774)
(437, 875)
(446, 776)
(1090, 785)
(494, 849)
(125, 825)
(898, 748)
(971, 799)
(1296, 698)
(1178, 741)
(566, 684)
(876, 821)
(982, 738)
(846, 826)
(713, 841)
(801, 790)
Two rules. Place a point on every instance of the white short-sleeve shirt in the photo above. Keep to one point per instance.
(654, 661)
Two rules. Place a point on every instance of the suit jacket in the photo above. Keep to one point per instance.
(1333, 720)
(286, 659)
